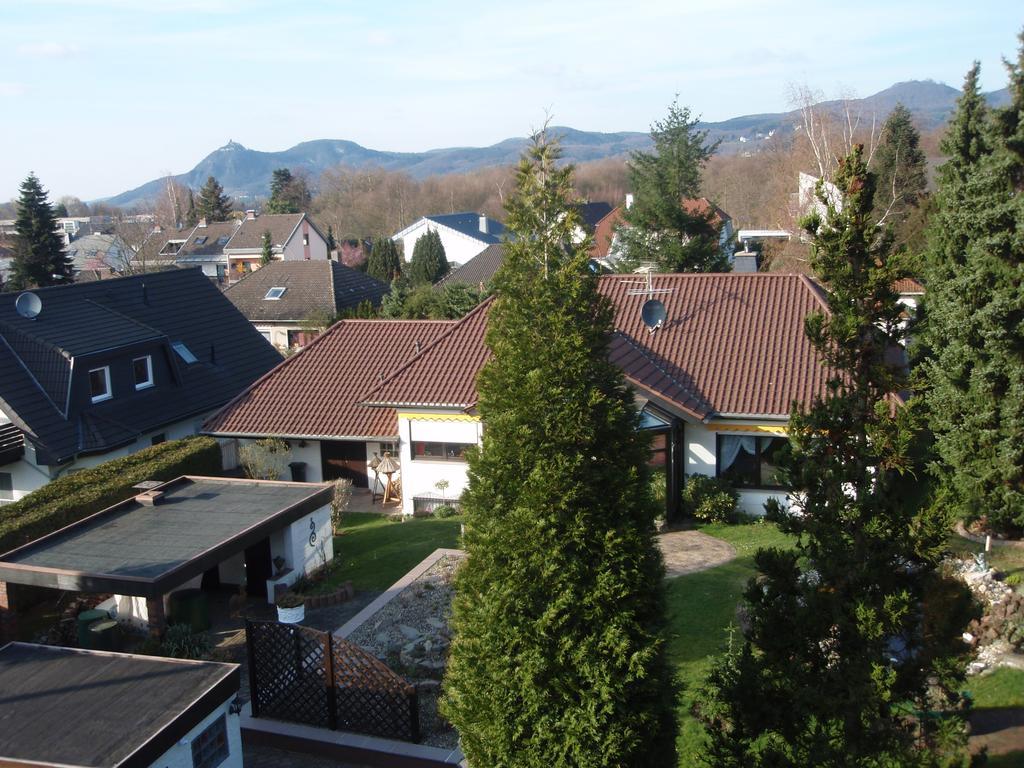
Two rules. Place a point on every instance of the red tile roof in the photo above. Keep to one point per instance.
(732, 344)
(316, 392)
(603, 232)
(908, 285)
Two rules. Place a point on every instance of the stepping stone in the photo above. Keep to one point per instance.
(410, 632)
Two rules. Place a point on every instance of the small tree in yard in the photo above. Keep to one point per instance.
(428, 263)
(384, 261)
(339, 503)
(39, 258)
(844, 642)
(557, 657)
(267, 249)
(265, 459)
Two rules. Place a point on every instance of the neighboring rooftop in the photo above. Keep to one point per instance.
(592, 213)
(281, 226)
(466, 223)
(70, 707)
(309, 287)
(135, 549)
(479, 270)
(207, 242)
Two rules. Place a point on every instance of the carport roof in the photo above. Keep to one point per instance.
(135, 549)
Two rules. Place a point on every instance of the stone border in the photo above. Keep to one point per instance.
(343, 594)
(393, 591)
(1007, 543)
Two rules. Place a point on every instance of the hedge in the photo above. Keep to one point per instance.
(78, 495)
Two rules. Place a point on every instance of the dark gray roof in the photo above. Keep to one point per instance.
(65, 706)
(468, 223)
(591, 213)
(207, 243)
(479, 270)
(311, 286)
(44, 362)
(133, 549)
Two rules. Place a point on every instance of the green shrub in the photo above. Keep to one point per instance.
(710, 499)
(445, 510)
(73, 497)
(180, 642)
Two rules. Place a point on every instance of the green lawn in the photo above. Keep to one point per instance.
(374, 553)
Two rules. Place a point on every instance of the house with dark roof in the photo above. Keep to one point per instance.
(92, 371)
(204, 248)
(478, 271)
(463, 235)
(281, 298)
(99, 256)
(293, 237)
(714, 383)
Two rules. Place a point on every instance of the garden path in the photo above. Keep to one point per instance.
(690, 551)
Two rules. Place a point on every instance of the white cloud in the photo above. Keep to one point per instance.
(12, 89)
(49, 49)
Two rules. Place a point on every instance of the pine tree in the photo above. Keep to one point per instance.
(428, 263)
(901, 169)
(332, 244)
(846, 636)
(213, 204)
(267, 253)
(661, 229)
(288, 193)
(191, 215)
(557, 658)
(384, 261)
(974, 328)
(39, 258)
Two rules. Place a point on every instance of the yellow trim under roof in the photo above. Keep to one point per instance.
(724, 426)
(437, 416)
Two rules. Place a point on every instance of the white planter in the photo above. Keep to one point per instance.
(291, 615)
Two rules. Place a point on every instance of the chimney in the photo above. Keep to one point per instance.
(629, 200)
(250, 214)
(150, 498)
(483, 224)
(202, 221)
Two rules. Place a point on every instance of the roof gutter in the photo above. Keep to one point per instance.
(263, 435)
(781, 418)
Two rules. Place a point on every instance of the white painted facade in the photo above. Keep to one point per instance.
(458, 248)
(180, 755)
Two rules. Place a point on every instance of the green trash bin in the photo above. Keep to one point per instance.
(84, 621)
(189, 606)
(105, 635)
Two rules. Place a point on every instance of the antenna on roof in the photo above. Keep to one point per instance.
(28, 305)
(653, 311)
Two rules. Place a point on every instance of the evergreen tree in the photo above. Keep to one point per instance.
(288, 193)
(974, 327)
(384, 261)
(267, 254)
(557, 657)
(191, 215)
(60, 211)
(661, 229)
(213, 204)
(39, 258)
(332, 244)
(428, 263)
(901, 169)
(846, 635)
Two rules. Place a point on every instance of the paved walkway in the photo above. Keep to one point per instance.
(691, 551)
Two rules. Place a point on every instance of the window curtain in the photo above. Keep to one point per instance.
(731, 447)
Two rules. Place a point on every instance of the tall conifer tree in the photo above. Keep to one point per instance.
(384, 261)
(557, 658)
(843, 638)
(213, 204)
(901, 168)
(975, 311)
(428, 263)
(39, 257)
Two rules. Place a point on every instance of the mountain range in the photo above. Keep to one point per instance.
(245, 173)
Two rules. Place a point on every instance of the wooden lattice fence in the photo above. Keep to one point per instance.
(306, 676)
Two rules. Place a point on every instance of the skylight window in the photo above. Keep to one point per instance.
(223, 239)
(184, 352)
(200, 240)
(275, 293)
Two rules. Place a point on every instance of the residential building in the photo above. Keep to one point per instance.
(95, 257)
(92, 371)
(293, 237)
(478, 271)
(71, 707)
(714, 383)
(285, 299)
(204, 247)
(463, 235)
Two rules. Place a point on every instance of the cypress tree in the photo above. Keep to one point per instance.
(901, 168)
(213, 204)
(191, 215)
(39, 258)
(661, 228)
(974, 329)
(846, 637)
(267, 254)
(428, 263)
(332, 244)
(557, 657)
(384, 261)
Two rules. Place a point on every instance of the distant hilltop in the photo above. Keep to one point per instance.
(245, 173)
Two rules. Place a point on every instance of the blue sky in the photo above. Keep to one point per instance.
(97, 96)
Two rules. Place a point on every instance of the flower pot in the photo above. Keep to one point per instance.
(291, 615)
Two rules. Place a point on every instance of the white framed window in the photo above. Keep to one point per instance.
(275, 293)
(210, 748)
(142, 371)
(99, 384)
(184, 352)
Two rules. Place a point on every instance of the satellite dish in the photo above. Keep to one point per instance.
(653, 314)
(28, 305)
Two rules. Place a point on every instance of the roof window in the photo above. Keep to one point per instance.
(223, 239)
(200, 240)
(275, 293)
(184, 352)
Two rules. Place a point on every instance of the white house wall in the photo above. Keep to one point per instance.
(420, 477)
(306, 544)
(295, 251)
(458, 248)
(180, 755)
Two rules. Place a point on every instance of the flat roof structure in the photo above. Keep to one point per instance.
(146, 550)
(70, 707)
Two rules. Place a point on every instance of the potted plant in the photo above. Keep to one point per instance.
(291, 608)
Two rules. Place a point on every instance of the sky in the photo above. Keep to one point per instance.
(100, 96)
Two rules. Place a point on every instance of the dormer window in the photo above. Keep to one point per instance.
(99, 384)
(142, 370)
(275, 293)
(223, 239)
(200, 240)
(184, 352)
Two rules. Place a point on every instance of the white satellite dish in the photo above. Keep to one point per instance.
(28, 305)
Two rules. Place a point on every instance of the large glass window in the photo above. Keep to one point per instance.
(433, 451)
(749, 461)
